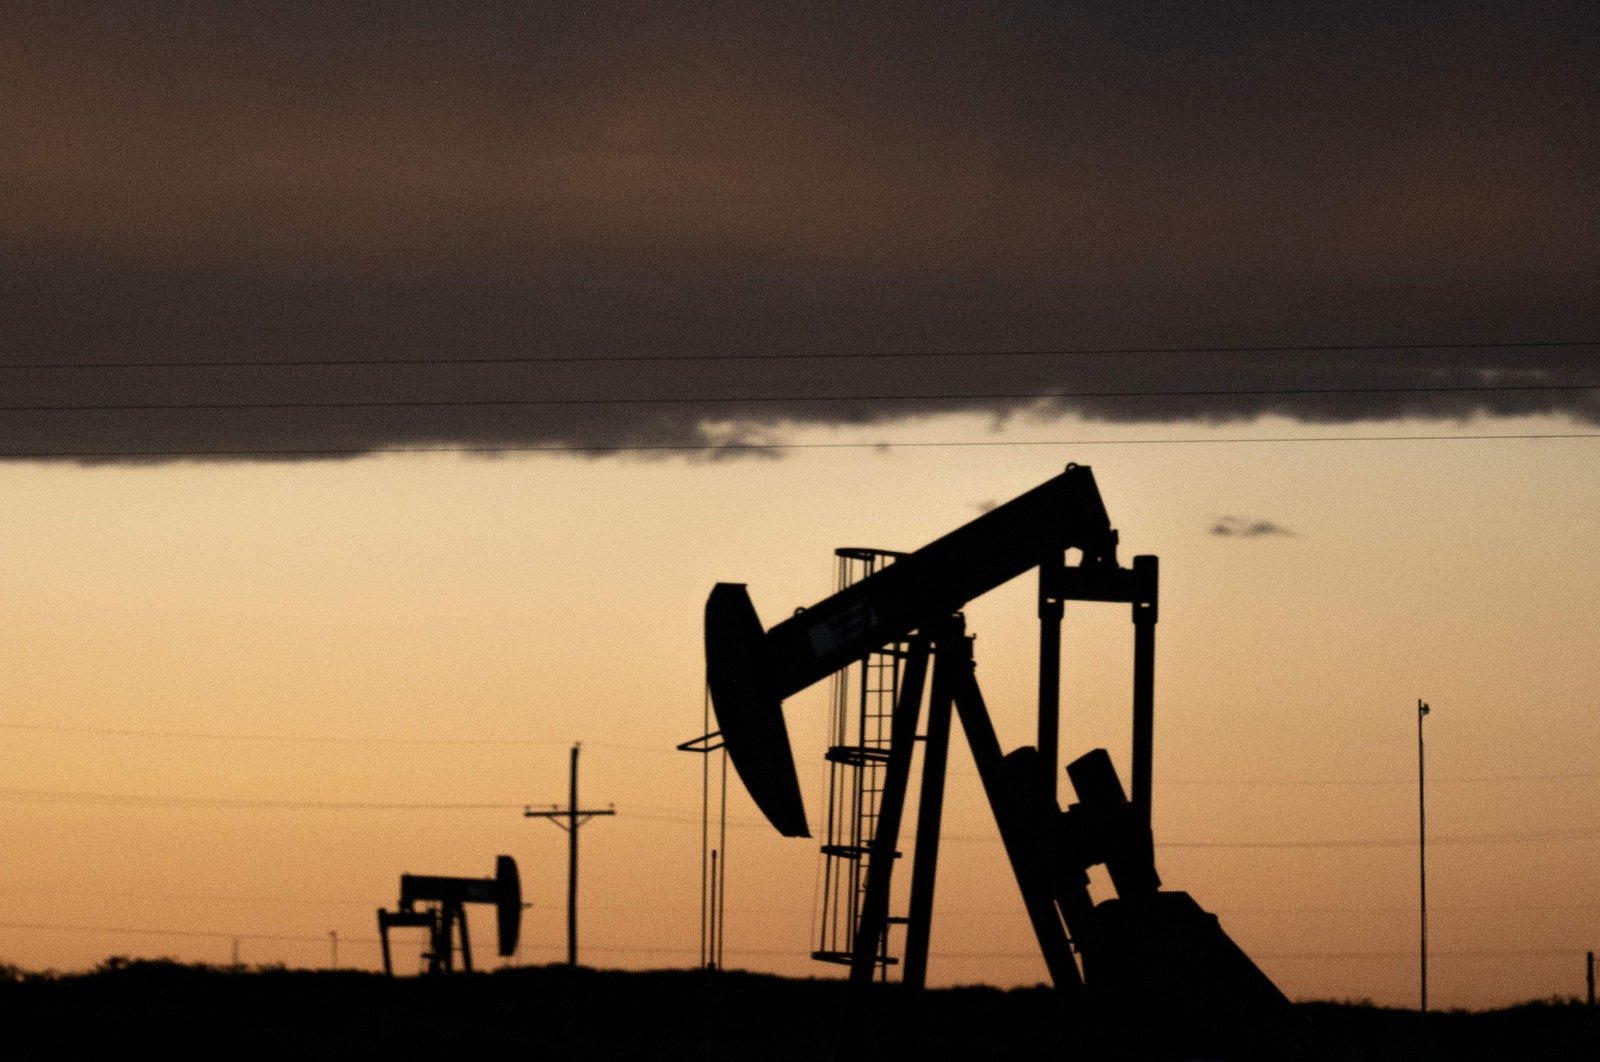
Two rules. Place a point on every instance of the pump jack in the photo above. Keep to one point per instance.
(448, 915)
(1154, 964)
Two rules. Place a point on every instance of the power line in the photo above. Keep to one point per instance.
(1507, 837)
(271, 804)
(305, 739)
(741, 447)
(1452, 780)
(957, 837)
(332, 739)
(1411, 908)
(330, 901)
(187, 897)
(678, 400)
(52, 796)
(567, 359)
(647, 949)
(208, 934)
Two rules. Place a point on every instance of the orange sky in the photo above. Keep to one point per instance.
(309, 618)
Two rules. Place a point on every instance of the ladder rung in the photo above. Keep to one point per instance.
(857, 755)
(846, 851)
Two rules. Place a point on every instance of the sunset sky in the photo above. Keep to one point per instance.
(384, 387)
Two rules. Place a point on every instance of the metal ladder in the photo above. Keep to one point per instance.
(864, 696)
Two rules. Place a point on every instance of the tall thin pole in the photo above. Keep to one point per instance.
(572, 861)
(711, 963)
(1422, 855)
(722, 868)
(706, 922)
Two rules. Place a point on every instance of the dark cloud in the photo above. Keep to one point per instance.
(1248, 527)
(208, 181)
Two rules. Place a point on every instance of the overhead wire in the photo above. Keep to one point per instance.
(807, 399)
(752, 447)
(637, 908)
(49, 796)
(56, 796)
(379, 739)
(289, 938)
(749, 446)
(838, 355)
(310, 739)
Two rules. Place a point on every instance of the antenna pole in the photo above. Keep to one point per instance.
(574, 817)
(572, 860)
(1422, 856)
(711, 963)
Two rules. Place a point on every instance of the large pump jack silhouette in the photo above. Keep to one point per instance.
(1146, 953)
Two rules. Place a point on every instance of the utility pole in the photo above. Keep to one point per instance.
(1591, 979)
(575, 818)
(1422, 854)
(333, 940)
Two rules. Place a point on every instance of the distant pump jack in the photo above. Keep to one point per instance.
(1157, 971)
(447, 915)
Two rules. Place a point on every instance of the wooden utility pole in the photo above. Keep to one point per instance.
(574, 818)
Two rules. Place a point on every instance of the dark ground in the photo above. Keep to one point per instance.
(175, 1011)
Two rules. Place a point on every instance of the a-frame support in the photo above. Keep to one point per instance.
(1019, 805)
(954, 685)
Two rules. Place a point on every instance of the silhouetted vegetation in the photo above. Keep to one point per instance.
(178, 1010)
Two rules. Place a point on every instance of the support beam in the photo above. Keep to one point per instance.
(930, 813)
(1146, 576)
(1010, 817)
(1050, 612)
